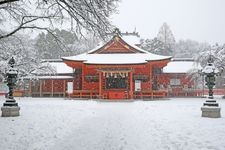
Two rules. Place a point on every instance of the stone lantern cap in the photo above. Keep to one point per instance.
(210, 68)
(12, 71)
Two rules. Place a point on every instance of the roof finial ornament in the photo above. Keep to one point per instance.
(117, 32)
(11, 62)
(210, 59)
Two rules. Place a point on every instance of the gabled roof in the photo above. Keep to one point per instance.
(116, 45)
(117, 51)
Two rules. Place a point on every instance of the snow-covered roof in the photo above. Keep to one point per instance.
(55, 77)
(135, 58)
(181, 66)
(53, 67)
(140, 57)
(60, 67)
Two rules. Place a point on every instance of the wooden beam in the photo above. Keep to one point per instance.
(131, 85)
(98, 66)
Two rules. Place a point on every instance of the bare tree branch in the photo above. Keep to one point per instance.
(91, 15)
(7, 1)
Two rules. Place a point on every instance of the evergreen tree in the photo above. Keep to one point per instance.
(165, 35)
(152, 45)
(65, 44)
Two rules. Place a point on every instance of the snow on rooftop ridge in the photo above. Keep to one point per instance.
(51, 60)
(61, 67)
(54, 66)
(117, 58)
(142, 50)
(182, 59)
(181, 66)
(55, 77)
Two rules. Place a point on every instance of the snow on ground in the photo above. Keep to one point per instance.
(58, 124)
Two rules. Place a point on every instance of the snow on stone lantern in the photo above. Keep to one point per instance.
(10, 107)
(210, 108)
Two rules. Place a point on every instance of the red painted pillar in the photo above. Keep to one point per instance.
(131, 85)
(30, 88)
(100, 85)
(82, 76)
(40, 88)
(52, 90)
(64, 88)
(150, 76)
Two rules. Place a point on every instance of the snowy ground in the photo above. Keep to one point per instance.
(58, 124)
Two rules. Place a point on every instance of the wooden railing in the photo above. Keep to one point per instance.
(150, 94)
(85, 94)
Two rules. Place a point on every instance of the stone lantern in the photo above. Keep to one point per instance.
(210, 108)
(10, 107)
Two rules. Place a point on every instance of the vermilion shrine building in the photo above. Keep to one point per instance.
(117, 70)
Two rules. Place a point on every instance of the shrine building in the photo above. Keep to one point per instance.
(117, 70)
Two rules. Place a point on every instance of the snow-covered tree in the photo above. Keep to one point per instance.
(217, 53)
(189, 48)
(16, 15)
(165, 35)
(67, 44)
(49, 47)
(82, 15)
(84, 45)
(152, 45)
(24, 53)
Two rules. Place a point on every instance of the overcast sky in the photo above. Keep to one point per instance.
(201, 20)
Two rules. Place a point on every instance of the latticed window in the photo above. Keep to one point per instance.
(91, 78)
(175, 81)
(157, 70)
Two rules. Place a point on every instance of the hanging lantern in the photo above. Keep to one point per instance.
(107, 75)
(115, 75)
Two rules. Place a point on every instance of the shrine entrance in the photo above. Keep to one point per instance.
(116, 83)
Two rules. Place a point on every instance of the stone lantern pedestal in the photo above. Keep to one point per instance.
(211, 109)
(10, 108)
(10, 111)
